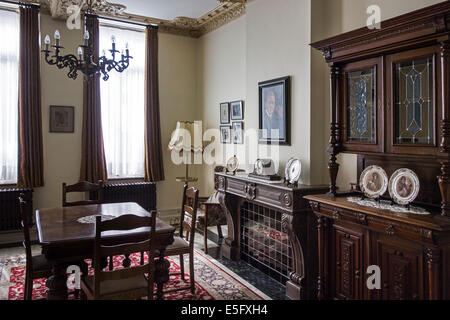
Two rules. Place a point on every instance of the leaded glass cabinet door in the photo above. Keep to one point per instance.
(361, 95)
(413, 101)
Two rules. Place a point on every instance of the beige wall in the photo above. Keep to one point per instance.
(233, 59)
(196, 75)
(62, 152)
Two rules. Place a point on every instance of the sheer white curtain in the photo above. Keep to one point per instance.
(9, 95)
(122, 99)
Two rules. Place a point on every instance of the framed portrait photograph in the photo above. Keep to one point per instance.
(237, 132)
(62, 119)
(237, 110)
(275, 111)
(225, 134)
(224, 113)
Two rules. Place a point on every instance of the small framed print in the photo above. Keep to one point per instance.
(237, 133)
(225, 134)
(62, 119)
(224, 113)
(237, 110)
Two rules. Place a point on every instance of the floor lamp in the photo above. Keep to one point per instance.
(187, 140)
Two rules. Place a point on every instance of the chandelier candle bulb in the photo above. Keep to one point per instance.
(47, 42)
(86, 38)
(57, 37)
(80, 53)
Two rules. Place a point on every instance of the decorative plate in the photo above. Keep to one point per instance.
(373, 182)
(404, 186)
(232, 164)
(293, 170)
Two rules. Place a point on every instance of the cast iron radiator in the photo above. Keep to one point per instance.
(263, 244)
(10, 209)
(143, 193)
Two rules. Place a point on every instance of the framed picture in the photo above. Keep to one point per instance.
(224, 113)
(225, 134)
(275, 111)
(62, 119)
(237, 110)
(237, 133)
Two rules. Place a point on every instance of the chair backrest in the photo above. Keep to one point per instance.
(188, 217)
(83, 186)
(103, 249)
(26, 229)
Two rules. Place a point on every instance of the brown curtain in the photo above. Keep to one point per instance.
(31, 168)
(154, 168)
(93, 163)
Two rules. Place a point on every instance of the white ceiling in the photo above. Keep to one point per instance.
(169, 9)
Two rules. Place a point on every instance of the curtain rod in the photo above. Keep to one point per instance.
(122, 20)
(25, 4)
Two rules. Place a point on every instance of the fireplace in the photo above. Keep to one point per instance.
(263, 244)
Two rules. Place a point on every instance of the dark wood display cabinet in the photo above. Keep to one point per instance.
(390, 105)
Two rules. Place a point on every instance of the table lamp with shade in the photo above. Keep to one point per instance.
(188, 140)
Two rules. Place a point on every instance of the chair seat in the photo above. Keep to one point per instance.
(41, 264)
(111, 287)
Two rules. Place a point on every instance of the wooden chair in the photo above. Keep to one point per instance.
(211, 213)
(83, 186)
(127, 283)
(37, 267)
(181, 245)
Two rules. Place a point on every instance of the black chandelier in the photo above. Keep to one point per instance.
(85, 60)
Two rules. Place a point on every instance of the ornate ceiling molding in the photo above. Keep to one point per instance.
(225, 12)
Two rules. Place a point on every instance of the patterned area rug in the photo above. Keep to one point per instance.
(213, 280)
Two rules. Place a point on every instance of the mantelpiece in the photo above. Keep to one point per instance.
(245, 200)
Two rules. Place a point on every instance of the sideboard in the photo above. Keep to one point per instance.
(278, 211)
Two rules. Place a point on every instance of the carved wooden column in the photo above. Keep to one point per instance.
(333, 149)
(434, 273)
(444, 178)
(291, 225)
(323, 245)
(230, 205)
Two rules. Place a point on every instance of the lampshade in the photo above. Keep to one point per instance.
(187, 137)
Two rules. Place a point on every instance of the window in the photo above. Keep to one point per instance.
(122, 99)
(9, 93)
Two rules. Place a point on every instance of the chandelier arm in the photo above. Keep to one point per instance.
(71, 62)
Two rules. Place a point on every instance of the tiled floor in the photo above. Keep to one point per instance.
(255, 277)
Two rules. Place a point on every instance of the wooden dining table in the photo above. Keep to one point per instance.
(67, 235)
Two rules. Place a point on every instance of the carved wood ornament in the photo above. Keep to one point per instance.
(225, 12)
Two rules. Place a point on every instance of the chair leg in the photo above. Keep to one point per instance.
(111, 263)
(142, 258)
(205, 237)
(28, 294)
(182, 266)
(191, 271)
(219, 231)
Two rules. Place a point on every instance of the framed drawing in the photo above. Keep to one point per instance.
(224, 113)
(237, 133)
(225, 134)
(62, 119)
(237, 110)
(275, 111)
